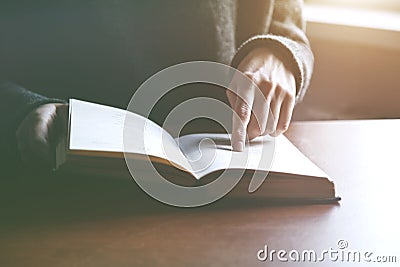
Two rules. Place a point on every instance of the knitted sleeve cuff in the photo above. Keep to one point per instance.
(23, 101)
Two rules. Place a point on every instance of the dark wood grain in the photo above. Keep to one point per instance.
(50, 220)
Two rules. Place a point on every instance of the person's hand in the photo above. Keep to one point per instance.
(277, 93)
(38, 133)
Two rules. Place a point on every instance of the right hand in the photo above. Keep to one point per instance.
(276, 92)
(39, 132)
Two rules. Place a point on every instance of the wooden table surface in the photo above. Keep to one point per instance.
(54, 220)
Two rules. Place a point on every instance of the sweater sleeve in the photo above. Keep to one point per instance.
(278, 25)
(15, 103)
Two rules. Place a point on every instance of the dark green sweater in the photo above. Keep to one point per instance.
(102, 50)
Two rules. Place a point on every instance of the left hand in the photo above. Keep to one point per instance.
(278, 90)
(39, 132)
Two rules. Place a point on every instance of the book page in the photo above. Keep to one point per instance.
(100, 128)
(211, 152)
(290, 160)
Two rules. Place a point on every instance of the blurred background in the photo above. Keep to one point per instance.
(356, 44)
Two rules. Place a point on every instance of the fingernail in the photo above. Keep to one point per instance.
(239, 146)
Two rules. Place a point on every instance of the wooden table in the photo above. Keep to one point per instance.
(49, 220)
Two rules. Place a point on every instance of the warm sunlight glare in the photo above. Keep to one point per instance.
(353, 17)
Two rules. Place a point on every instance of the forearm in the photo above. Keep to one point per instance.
(279, 26)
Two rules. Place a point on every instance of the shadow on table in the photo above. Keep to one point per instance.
(44, 198)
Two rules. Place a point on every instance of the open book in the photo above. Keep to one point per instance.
(96, 144)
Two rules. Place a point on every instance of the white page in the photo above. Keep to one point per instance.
(211, 152)
(95, 127)
(289, 159)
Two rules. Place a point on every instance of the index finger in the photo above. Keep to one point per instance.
(241, 117)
